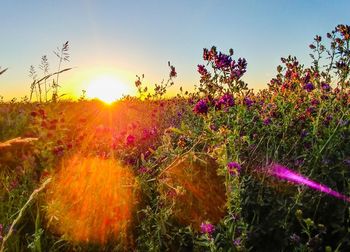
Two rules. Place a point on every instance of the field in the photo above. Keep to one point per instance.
(224, 168)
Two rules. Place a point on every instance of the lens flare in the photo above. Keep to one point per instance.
(282, 172)
(191, 186)
(92, 200)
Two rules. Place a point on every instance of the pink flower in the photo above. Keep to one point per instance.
(207, 228)
(130, 140)
(233, 168)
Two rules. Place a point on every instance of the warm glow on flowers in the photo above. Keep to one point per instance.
(91, 199)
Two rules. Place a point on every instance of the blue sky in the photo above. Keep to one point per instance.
(126, 38)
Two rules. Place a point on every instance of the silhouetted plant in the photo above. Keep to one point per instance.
(3, 70)
(44, 66)
(33, 75)
(63, 55)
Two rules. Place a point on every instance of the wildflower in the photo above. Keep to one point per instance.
(206, 55)
(201, 107)
(58, 150)
(130, 140)
(233, 168)
(172, 72)
(33, 114)
(207, 228)
(226, 100)
(237, 242)
(144, 170)
(223, 61)
(327, 120)
(248, 102)
(347, 162)
(309, 87)
(242, 63)
(325, 86)
(315, 102)
(1, 229)
(202, 70)
(304, 133)
(294, 238)
(267, 121)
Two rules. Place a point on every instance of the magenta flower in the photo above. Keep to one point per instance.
(130, 140)
(201, 107)
(248, 102)
(202, 70)
(144, 170)
(267, 121)
(233, 168)
(226, 101)
(325, 86)
(309, 87)
(1, 229)
(223, 61)
(207, 228)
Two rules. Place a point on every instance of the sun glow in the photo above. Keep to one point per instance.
(107, 89)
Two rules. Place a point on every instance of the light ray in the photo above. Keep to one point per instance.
(282, 172)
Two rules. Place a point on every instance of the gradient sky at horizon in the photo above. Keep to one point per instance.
(125, 38)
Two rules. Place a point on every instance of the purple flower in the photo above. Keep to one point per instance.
(202, 70)
(248, 102)
(327, 120)
(206, 54)
(237, 242)
(325, 86)
(294, 238)
(233, 168)
(226, 100)
(267, 121)
(144, 170)
(315, 102)
(242, 64)
(304, 133)
(201, 107)
(207, 228)
(1, 229)
(223, 61)
(347, 161)
(309, 87)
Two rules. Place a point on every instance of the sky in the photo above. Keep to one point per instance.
(126, 38)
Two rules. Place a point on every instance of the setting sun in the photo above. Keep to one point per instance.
(107, 89)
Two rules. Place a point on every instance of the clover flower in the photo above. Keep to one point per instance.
(201, 107)
(237, 242)
(223, 61)
(267, 121)
(294, 238)
(233, 168)
(130, 140)
(248, 102)
(309, 87)
(202, 70)
(325, 87)
(207, 228)
(226, 101)
(1, 229)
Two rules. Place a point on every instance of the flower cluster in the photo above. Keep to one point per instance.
(233, 168)
(207, 228)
